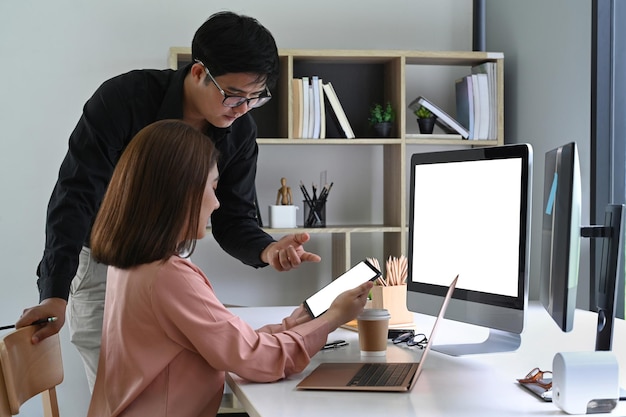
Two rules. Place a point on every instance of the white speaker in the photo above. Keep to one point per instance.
(585, 382)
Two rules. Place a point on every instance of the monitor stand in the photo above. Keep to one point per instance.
(497, 341)
(611, 272)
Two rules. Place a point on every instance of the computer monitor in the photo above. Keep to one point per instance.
(560, 248)
(470, 215)
(560, 234)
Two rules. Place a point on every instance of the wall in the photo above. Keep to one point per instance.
(55, 54)
(547, 50)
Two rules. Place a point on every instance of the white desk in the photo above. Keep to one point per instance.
(475, 385)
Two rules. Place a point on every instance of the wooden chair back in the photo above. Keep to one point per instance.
(27, 370)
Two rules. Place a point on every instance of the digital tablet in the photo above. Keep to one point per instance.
(319, 302)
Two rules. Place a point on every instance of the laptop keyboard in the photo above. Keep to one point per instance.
(380, 374)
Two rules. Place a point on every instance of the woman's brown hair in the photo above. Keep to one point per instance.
(154, 196)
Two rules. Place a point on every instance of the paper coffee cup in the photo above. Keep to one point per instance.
(373, 324)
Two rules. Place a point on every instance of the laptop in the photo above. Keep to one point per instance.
(355, 376)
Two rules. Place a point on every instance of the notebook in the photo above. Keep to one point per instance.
(355, 376)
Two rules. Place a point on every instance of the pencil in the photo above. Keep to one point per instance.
(318, 204)
(312, 214)
(36, 322)
(380, 280)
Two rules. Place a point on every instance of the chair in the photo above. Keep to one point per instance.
(27, 370)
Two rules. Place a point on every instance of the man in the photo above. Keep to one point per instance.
(235, 64)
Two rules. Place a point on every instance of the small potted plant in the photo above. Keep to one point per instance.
(425, 120)
(381, 118)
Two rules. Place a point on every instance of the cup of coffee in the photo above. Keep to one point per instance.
(373, 324)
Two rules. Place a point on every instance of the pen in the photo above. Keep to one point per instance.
(36, 322)
(335, 344)
(307, 197)
(324, 193)
(319, 203)
(311, 205)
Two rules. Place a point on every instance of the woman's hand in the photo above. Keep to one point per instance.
(347, 305)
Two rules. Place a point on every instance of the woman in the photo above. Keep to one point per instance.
(167, 340)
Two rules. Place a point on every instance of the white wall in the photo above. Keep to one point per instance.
(56, 53)
(547, 100)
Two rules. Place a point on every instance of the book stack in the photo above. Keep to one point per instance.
(310, 95)
(476, 101)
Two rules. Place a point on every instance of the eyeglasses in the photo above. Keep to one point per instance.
(236, 101)
(412, 339)
(538, 377)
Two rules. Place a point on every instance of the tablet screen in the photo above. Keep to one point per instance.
(319, 302)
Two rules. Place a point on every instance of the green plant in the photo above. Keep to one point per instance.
(423, 113)
(380, 114)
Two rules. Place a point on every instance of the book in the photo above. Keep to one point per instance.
(352, 325)
(315, 88)
(481, 105)
(489, 68)
(296, 84)
(305, 107)
(335, 104)
(311, 113)
(476, 100)
(444, 120)
(322, 109)
(465, 103)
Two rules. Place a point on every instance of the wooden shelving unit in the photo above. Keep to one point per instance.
(360, 78)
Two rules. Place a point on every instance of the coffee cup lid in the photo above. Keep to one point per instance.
(374, 314)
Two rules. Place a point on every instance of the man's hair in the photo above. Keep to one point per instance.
(231, 43)
(152, 206)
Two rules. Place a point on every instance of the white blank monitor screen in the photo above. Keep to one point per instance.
(480, 224)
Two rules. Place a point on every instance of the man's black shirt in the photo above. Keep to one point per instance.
(120, 108)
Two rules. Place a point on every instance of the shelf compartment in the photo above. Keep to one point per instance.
(360, 78)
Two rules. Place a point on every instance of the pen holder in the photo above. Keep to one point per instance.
(393, 299)
(316, 217)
